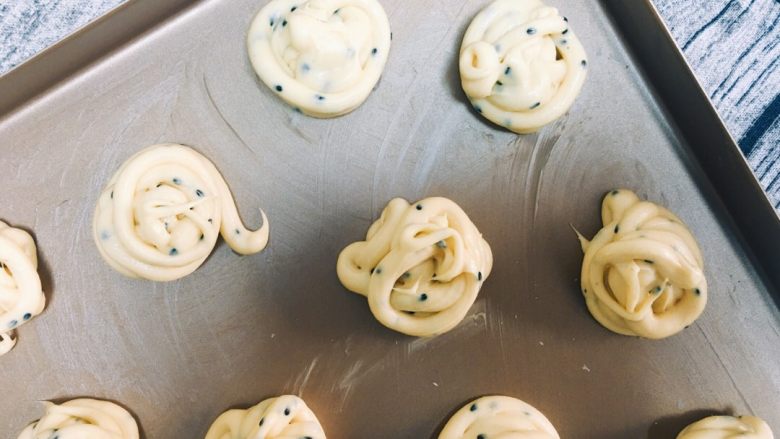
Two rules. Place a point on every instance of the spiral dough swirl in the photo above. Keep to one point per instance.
(161, 213)
(83, 418)
(521, 65)
(643, 272)
(21, 296)
(497, 417)
(727, 427)
(323, 57)
(282, 417)
(421, 266)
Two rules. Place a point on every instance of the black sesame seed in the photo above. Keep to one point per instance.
(441, 244)
(210, 220)
(615, 192)
(262, 420)
(320, 97)
(535, 105)
(473, 407)
(287, 411)
(648, 261)
(27, 316)
(238, 232)
(112, 195)
(423, 297)
(293, 8)
(192, 208)
(499, 83)
(305, 67)
(374, 51)
(372, 270)
(508, 70)
(419, 207)
(411, 313)
(697, 291)
(12, 323)
(481, 436)
(617, 228)
(202, 236)
(279, 88)
(584, 63)
(336, 11)
(173, 252)
(477, 109)
(565, 19)
(176, 180)
(479, 275)
(530, 31)
(434, 275)
(564, 41)
(391, 36)
(158, 184)
(284, 23)
(565, 31)
(407, 275)
(198, 192)
(378, 270)
(272, 22)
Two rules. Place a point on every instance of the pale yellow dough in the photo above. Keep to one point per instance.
(21, 296)
(161, 213)
(727, 427)
(323, 57)
(642, 273)
(283, 417)
(421, 266)
(83, 418)
(498, 417)
(521, 64)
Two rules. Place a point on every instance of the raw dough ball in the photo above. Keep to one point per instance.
(521, 65)
(21, 296)
(498, 417)
(275, 418)
(643, 272)
(323, 57)
(161, 213)
(83, 418)
(727, 427)
(421, 266)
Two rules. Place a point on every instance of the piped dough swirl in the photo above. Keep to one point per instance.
(727, 427)
(521, 65)
(21, 296)
(421, 266)
(83, 418)
(642, 273)
(282, 417)
(323, 57)
(498, 417)
(161, 213)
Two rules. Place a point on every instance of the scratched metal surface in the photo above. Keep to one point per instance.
(244, 328)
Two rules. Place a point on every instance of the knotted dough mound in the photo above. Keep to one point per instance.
(498, 417)
(727, 427)
(323, 57)
(83, 418)
(21, 296)
(283, 417)
(643, 272)
(161, 213)
(421, 266)
(521, 65)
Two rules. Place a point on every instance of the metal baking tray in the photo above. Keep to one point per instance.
(241, 329)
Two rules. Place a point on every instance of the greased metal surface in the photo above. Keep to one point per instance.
(239, 330)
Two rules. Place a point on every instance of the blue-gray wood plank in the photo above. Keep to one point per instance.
(733, 46)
